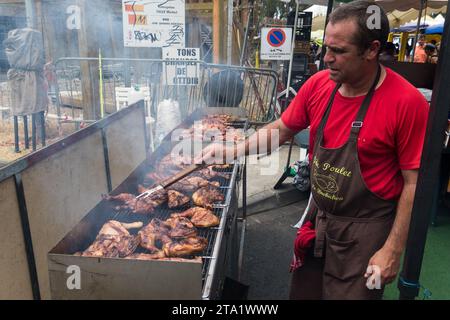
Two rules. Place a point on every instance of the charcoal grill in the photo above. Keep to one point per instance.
(115, 278)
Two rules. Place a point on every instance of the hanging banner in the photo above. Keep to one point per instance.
(276, 43)
(154, 24)
(181, 66)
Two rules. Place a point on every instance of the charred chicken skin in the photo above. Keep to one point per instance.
(206, 197)
(139, 206)
(147, 256)
(155, 231)
(177, 199)
(161, 256)
(180, 227)
(113, 240)
(185, 247)
(200, 217)
(191, 184)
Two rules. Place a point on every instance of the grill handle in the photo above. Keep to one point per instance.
(180, 175)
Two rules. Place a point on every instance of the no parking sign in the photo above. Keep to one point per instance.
(276, 43)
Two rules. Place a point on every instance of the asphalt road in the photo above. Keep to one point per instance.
(268, 251)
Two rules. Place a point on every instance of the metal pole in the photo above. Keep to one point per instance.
(322, 53)
(30, 8)
(288, 84)
(230, 32)
(427, 185)
(422, 3)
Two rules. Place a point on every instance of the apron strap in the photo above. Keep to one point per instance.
(358, 123)
(324, 120)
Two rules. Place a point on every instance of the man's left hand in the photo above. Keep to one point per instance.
(388, 263)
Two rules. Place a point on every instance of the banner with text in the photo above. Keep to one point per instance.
(181, 66)
(157, 23)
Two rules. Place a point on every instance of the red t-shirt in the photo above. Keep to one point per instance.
(391, 138)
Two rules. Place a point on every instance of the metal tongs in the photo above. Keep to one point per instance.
(170, 181)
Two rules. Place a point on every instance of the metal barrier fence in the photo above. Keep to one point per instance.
(216, 85)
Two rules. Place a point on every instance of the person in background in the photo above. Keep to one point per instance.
(420, 55)
(388, 54)
(431, 52)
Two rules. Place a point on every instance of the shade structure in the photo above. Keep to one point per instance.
(404, 5)
(436, 29)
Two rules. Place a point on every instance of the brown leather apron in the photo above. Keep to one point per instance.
(352, 222)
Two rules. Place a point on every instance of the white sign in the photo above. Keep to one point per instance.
(181, 66)
(276, 43)
(156, 23)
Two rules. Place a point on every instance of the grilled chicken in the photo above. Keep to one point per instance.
(140, 206)
(177, 199)
(155, 231)
(221, 166)
(209, 173)
(200, 217)
(190, 184)
(114, 240)
(180, 227)
(160, 255)
(185, 247)
(206, 197)
(147, 256)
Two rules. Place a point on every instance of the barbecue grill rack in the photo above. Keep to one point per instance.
(163, 212)
(213, 257)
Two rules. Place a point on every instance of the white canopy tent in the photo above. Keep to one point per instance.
(390, 5)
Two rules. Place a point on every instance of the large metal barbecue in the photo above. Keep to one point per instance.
(115, 278)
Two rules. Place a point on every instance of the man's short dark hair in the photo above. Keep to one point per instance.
(357, 11)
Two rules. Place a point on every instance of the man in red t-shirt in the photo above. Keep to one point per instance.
(367, 127)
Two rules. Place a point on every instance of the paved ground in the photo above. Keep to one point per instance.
(269, 234)
(268, 252)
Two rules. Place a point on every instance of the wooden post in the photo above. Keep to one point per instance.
(218, 31)
(403, 44)
(89, 70)
(47, 32)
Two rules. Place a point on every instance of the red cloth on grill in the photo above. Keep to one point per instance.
(305, 238)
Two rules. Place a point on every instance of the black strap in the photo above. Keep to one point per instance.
(358, 123)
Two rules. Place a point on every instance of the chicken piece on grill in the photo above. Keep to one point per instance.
(180, 227)
(160, 256)
(221, 166)
(114, 240)
(192, 183)
(157, 176)
(206, 197)
(185, 247)
(155, 231)
(147, 256)
(200, 217)
(139, 206)
(209, 173)
(177, 199)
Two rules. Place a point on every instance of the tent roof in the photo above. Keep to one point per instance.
(389, 5)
